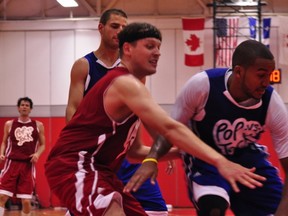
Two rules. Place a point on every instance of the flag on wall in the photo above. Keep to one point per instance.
(193, 33)
(226, 40)
(283, 40)
(265, 33)
(252, 27)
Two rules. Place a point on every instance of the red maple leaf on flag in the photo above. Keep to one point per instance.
(193, 42)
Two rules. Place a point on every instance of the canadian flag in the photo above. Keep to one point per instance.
(193, 33)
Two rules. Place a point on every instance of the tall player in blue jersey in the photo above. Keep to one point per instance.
(229, 109)
(85, 72)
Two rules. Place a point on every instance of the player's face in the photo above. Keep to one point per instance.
(110, 30)
(24, 109)
(145, 54)
(256, 78)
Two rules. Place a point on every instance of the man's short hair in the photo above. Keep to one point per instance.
(106, 15)
(248, 51)
(25, 99)
(136, 31)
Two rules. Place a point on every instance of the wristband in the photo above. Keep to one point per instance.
(150, 159)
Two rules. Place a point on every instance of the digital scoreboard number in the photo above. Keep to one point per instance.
(275, 77)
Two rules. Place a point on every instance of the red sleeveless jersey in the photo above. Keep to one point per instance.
(22, 140)
(91, 138)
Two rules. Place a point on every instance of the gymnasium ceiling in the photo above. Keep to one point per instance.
(51, 9)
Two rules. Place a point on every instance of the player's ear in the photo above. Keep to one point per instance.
(237, 70)
(126, 48)
(100, 27)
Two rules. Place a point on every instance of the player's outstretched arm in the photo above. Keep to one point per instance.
(131, 93)
(232, 172)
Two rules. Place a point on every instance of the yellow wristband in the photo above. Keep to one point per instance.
(150, 159)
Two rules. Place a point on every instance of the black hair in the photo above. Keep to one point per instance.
(106, 15)
(25, 99)
(248, 51)
(136, 31)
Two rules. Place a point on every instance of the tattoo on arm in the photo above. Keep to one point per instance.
(159, 148)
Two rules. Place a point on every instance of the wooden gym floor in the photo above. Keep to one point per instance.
(61, 212)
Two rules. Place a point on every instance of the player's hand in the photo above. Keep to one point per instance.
(170, 167)
(145, 171)
(234, 173)
(2, 158)
(34, 158)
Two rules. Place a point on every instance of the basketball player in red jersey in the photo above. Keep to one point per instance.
(81, 168)
(23, 143)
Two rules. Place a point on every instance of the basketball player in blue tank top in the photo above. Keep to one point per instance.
(85, 73)
(229, 109)
(108, 118)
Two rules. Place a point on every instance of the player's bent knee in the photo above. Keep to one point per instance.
(3, 200)
(212, 205)
(114, 209)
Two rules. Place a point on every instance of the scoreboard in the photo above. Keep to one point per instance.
(275, 77)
